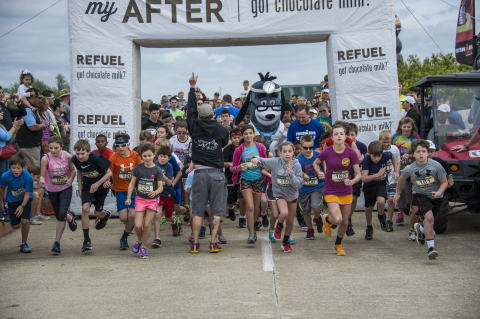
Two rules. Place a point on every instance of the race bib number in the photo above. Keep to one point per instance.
(424, 182)
(311, 181)
(92, 174)
(389, 166)
(250, 165)
(283, 181)
(18, 192)
(59, 180)
(381, 178)
(125, 176)
(339, 176)
(145, 186)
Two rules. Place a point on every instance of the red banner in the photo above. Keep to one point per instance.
(464, 42)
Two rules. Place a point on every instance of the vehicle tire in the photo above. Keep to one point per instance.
(441, 222)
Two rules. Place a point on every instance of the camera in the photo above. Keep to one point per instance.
(12, 97)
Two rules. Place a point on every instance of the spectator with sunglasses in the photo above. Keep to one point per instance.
(325, 117)
(174, 107)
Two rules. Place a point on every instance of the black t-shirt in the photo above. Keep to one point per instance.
(444, 164)
(93, 169)
(146, 179)
(27, 138)
(149, 125)
(228, 158)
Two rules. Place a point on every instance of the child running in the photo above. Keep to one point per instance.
(147, 180)
(57, 175)
(429, 181)
(338, 186)
(287, 179)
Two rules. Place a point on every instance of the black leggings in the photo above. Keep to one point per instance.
(61, 202)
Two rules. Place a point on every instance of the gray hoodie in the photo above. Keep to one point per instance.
(283, 184)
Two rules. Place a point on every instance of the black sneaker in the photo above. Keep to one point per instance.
(242, 223)
(350, 231)
(432, 253)
(73, 224)
(86, 246)
(257, 225)
(304, 224)
(319, 223)
(420, 236)
(124, 244)
(265, 221)
(369, 234)
(231, 214)
(299, 219)
(56, 248)
(383, 221)
(4, 217)
(102, 222)
(334, 226)
(310, 234)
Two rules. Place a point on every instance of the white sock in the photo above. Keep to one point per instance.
(421, 229)
(431, 243)
(242, 217)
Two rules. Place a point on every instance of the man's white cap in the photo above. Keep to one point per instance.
(432, 145)
(409, 99)
(313, 111)
(326, 91)
(444, 108)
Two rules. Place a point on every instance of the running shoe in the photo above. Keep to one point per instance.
(86, 246)
(222, 240)
(420, 237)
(300, 219)
(215, 248)
(35, 221)
(399, 218)
(4, 217)
(389, 226)
(176, 229)
(339, 250)
(349, 232)
(412, 236)
(157, 243)
(242, 222)
(42, 217)
(319, 224)
(265, 221)
(96, 220)
(24, 248)
(251, 239)
(187, 223)
(327, 227)
(202, 232)
(369, 233)
(286, 247)
(432, 253)
(334, 226)
(257, 225)
(179, 220)
(73, 224)
(136, 247)
(143, 253)
(231, 214)
(383, 221)
(304, 224)
(278, 232)
(255, 235)
(194, 247)
(186, 215)
(310, 234)
(103, 221)
(56, 248)
(124, 244)
(163, 221)
(271, 236)
(190, 240)
(291, 240)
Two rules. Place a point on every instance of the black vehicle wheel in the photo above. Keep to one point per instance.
(441, 222)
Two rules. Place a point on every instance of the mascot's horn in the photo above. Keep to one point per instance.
(244, 108)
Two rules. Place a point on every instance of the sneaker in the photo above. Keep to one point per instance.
(251, 239)
(383, 221)
(157, 243)
(56, 248)
(349, 232)
(215, 248)
(42, 217)
(86, 246)
(265, 221)
(327, 227)
(231, 214)
(143, 253)
(339, 250)
(334, 226)
(202, 232)
(286, 247)
(278, 232)
(187, 223)
(291, 240)
(242, 223)
(369, 234)
(191, 238)
(412, 236)
(163, 221)
(310, 234)
(24, 248)
(432, 253)
(136, 247)
(271, 236)
(186, 215)
(73, 224)
(304, 224)
(222, 240)
(176, 229)
(389, 226)
(420, 237)
(194, 247)
(102, 222)
(399, 218)
(255, 235)
(299, 218)
(319, 224)
(179, 220)
(257, 225)
(4, 217)
(124, 244)
(35, 221)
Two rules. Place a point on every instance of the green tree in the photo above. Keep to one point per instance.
(62, 82)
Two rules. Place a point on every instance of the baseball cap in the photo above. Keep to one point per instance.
(409, 99)
(443, 108)
(432, 145)
(216, 93)
(429, 98)
(326, 91)
(165, 101)
(313, 111)
(400, 85)
(205, 110)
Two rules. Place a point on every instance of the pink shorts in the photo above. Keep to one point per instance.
(141, 204)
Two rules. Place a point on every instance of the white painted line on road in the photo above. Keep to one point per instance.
(267, 254)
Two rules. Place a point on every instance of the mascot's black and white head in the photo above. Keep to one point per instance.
(266, 102)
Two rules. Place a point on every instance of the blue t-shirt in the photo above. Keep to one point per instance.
(176, 168)
(297, 130)
(233, 110)
(168, 172)
(17, 186)
(313, 183)
(252, 172)
(30, 118)
(373, 168)
(362, 148)
(93, 169)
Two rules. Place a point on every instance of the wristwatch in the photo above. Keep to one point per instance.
(466, 146)
(450, 176)
(22, 205)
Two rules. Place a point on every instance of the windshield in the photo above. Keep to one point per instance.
(456, 112)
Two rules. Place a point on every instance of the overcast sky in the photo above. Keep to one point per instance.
(41, 45)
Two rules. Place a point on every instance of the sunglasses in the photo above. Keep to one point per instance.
(322, 111)
(181, 133)
(173, 102)
(237, 133)
(121, 145)
(307, 148)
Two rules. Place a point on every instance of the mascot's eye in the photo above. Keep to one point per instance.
(263, 102)
(272, 102)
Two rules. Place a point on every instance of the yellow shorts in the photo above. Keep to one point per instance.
(342, 200)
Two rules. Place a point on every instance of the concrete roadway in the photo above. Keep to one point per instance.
(388, 277)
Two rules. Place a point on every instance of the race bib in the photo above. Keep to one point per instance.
(283, 181)
(389, 166)
(381, 178)
(125, 176)
(311, 181)
(145, 186)
(59, 180)
(424, 182)
(92, 174)
(18, 192)
(339, 176)
(250, 165)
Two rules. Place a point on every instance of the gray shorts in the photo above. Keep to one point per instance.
(313, 200)
(32, 156)
(211, 187)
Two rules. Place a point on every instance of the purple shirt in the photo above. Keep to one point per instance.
(338, 169)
